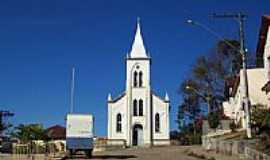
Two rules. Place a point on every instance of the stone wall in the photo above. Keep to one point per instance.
(224, 125)
(228, 147)
(233, 148)
(105, 144)
(161, 142)
(252, 154)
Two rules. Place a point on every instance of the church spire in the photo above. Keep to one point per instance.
(167, 99)
(109, 97)
(138, 50)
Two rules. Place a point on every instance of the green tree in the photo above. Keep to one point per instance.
(27, 133)
(207, 80)
(213, 119)
(260, 118)
(4, 127)
(3, 124)
(190, 106)
(232, 60)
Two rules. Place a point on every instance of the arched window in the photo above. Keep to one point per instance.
(140, 107)
(118, 123)
(135, 108)
(135, 75)
(157, 122)
(140, 79)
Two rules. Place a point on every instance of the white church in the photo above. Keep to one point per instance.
(138, 116)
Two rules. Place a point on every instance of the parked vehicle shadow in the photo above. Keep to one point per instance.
(102, 157)
(113, 156)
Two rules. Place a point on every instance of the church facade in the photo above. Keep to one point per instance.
(138, 116)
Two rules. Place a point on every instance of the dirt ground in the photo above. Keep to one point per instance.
(156, 153)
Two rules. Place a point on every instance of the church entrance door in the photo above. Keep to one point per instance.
(137, 135)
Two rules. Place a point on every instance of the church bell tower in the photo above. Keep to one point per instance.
(138, 89)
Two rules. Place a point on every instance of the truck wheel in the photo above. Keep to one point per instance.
(89, 153)
(70, 153)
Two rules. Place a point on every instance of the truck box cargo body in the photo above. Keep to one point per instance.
(80, 133)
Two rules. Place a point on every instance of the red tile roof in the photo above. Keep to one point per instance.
(265, 23)
(56, 132)
(233, 83)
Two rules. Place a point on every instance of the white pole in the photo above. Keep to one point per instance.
(72, 91)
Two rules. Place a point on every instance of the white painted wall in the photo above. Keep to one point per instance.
(114, 108)
(139, 62)
(162, 108)
(131, 66)
(257, 78)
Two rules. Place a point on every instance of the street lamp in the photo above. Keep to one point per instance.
(195, 23)
(240, 18)
(205, 98)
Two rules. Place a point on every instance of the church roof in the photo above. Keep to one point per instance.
(166, 98)
(117, 98)
(138, 49)
(265, 23)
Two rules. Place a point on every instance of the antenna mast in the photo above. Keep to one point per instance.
(72, 91)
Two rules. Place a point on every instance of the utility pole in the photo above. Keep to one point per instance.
(246, 102)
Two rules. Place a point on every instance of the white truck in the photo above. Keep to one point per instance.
(80, 133)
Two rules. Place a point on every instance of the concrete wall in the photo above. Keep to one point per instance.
(105, 144)
(162, 108)
(252, 154)
(113, 109)
(160, 142)
(257, 78)
(224, 126)
(234, 148)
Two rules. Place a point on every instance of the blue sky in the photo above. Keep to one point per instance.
(41, 40)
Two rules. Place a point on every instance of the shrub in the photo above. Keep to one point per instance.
(213, 120)
(196, 139)
(260, 118)
(233, 126)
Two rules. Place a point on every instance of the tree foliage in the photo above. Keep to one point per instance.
(232, 60)
(4, 127)
(260, 118)
(206, 81)
(26, 133)
(213, 119)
